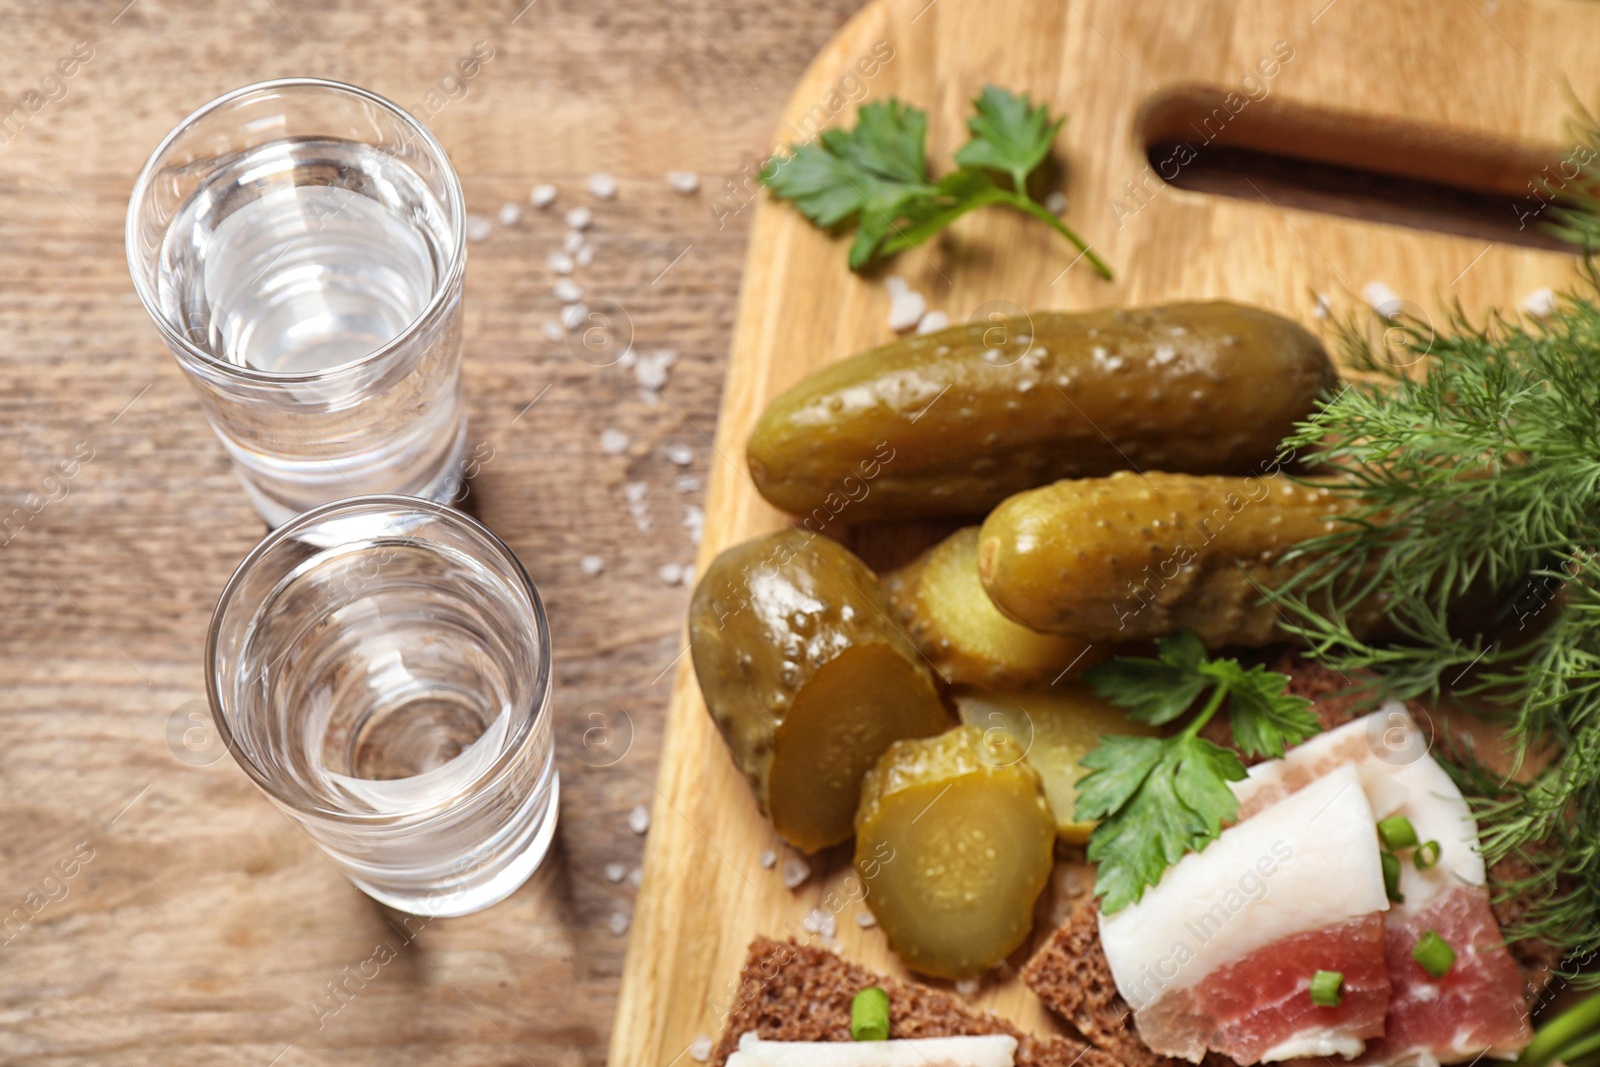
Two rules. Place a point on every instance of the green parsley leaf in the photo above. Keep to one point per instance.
(875, 176)
(1008, 134)
(1159, 798)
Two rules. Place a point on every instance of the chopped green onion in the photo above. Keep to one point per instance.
(1434, 955)
(869, 1015)
(1397, 833)
(1426, 856)
(1391, 876)
(1327, 989)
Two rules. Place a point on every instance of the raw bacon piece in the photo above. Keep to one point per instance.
(1259, 1006)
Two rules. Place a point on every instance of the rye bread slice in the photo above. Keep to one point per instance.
(794, 992)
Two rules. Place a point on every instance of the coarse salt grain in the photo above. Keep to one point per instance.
(628, 358)
(559, 262)
(616, 872)
(510, 214)
(636, 877)
(650, 372)
(573, 241)
(567, 291)
(542, 196)
(820, 921)
(932, 322)
(552, 330)
(896, 285)
(1540, 303)
(680, 454)
(795, 872)
(591, 565)
(905, 309)
(865, 919)
(613, 442)
(1056, 203)
(670, 573)
(684, 181)
(639, 819)
(1382, 298)
(700, 1049)
(603, 185)
(478, 228)
(572, 315)
(635, 491)
(584, 256)
(1320, 310)
(769, 859)
(968, 987)
(619, 923)
(687, 483)
(579, 218)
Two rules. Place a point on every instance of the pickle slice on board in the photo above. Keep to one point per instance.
(1057, 727)
(953, 422)
(939, 601)
(1139, 556)
(806, 677)
(954, 843)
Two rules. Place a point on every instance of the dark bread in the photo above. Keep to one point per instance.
(793, 992)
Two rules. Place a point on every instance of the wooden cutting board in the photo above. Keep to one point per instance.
(1449, 91)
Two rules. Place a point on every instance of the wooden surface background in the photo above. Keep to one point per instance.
(203, 929)
(1445, 92)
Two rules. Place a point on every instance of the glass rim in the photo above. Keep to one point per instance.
(515, 740)
(191, 352)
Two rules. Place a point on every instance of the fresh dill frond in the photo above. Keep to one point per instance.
(1472, 457)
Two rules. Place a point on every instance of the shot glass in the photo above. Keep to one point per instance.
(301, 245)
(381, 668)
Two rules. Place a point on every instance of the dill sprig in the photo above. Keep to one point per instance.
(1471, 456)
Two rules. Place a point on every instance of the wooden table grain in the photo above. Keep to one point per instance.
(154, 909)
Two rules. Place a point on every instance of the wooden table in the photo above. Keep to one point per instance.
(154, 909)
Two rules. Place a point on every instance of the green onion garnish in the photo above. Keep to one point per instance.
(1434, 955)
(869, 1015)
(1397, 833)
(1327, 989)
(1391, 876)
(1426, 856)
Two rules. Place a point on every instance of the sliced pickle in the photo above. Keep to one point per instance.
(1057, 727)
(953, 846)
(939, 599)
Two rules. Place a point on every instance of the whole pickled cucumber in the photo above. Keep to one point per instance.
(806, 677)
(953, 422)
(954, 843)
(1136, 556)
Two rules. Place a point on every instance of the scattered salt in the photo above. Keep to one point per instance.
(769, 859)
(1540, 303)
(680, 454)
(651, 371)
(968, 987)
(635, 491)
(478, 228)
(795, 871)
(896, 285)
(619, 923)
(865, 919)
(573, 241)
(1322, 306)
(603, 185)
(636, 877)
(687, 483)
(566, 290)
(572, 315)
(695, 519)
(820, 921)
(1382, 298)
(542, 196)
(684, 181)
(510, 214)
(591, 565)
(552, 330)
(1056, 203)
(932, 322)
(616, 872)
(670, 573)
(905, 309)
(579, 218)
(628, 359)
(613, 442)
(585, 256)
(559, 262)
(700, 1049)
(639, 819)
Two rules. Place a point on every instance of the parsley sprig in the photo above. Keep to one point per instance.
(876, 175)
(1158, 798)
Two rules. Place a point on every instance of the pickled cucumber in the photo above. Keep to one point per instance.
(1138, 556)
(953, 422)
(806, 677)
(953, 845)
(940, 603)
(1057, 727)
